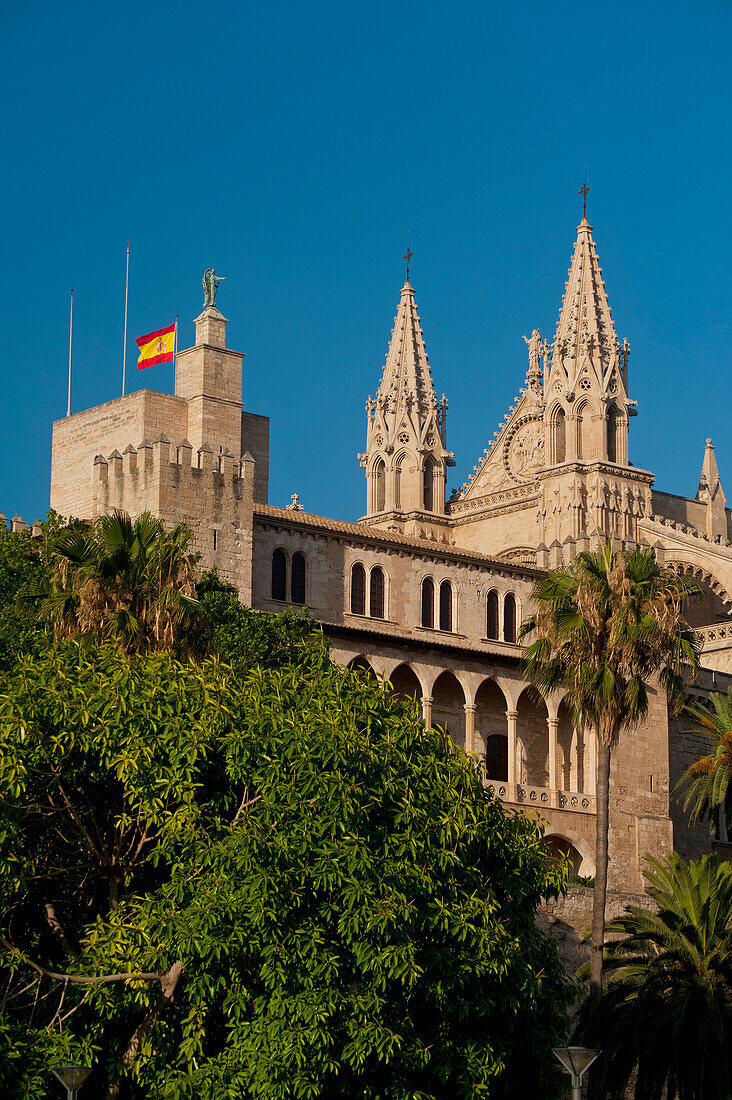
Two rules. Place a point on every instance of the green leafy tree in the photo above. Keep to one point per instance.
(126, 579)
(267, 884)
(666, 1013)
(706, 782)
(603, 628)
(243, 637)
(24, 560)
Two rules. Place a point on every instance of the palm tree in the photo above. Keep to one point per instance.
(131, 580)
(666, 1012)
(706, 782)
(604, 626)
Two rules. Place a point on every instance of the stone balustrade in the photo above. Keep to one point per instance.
(521, 794)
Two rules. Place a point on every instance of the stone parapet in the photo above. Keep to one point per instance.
(212, 494)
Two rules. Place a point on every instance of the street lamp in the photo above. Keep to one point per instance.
(72, 1078)
(576, 1060)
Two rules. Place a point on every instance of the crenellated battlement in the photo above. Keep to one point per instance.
(212, 493)
(18, 524)
(179, 465)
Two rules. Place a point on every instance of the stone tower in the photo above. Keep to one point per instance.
(406, 456)
(711, 493)
(589, 487)
(209, 378)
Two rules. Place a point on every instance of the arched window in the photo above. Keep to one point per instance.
(559, 426)
(428, 602)
(509, 618)
(279, 575)
(612, 434)
(582, 431)
(376, 600)
(398, 482)
(429, 486)
(496, 757)
(379, 486)
(491, 626)
(297, 587)
(445, 606)
(358, 590)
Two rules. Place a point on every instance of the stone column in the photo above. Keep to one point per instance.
(427, 710)
(469, 726)
(512, 720)
(590, 783)
(553, 724)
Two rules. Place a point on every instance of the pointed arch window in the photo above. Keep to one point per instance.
(612, 434)
(509, 618)
(297, 581)
(279, 575)
(445, 606)
(398, 481)
(559, 434)
(358, 590)
(582, 429)
(380, 486)
(491, 627)
(376, 597)
(429, 486)
(428, 602)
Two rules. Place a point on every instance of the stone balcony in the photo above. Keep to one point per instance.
(528, 797)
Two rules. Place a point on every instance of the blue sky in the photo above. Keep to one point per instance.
(293, 146)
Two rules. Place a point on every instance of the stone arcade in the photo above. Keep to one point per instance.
(430, 592)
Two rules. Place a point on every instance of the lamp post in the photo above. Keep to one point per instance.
(72, 1078)
(576, 1060)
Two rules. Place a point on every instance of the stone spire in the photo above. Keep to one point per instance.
(587, 384)
(405, 455)
(711, 493)
(584, 319)
(406, 383)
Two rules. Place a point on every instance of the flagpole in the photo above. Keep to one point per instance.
(124, 344)
(71, 332)
(175, 350)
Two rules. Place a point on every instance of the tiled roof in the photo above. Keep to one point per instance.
(363, 532)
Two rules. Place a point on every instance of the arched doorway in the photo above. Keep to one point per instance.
(533, 736)
(572, 761)
(712, 608)
(448, 706)
(360, 664)
(404, 683)
(560, 846)
(490, 717)
(496, 758)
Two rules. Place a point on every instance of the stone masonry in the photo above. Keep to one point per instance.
(429, 592)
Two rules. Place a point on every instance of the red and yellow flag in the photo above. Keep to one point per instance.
(156, 347)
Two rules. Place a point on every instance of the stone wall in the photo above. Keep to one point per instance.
(255, 440)
(212, 495)
(77, 439)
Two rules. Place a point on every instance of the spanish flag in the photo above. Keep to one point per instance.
(156, 347)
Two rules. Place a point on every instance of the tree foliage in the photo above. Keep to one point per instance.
(243, 637)
(666, 1013)
(131, 580)
(603, 628)
(705, 783)
(23, 575)
(279, 883)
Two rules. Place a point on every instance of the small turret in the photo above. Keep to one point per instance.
(406, 454)
(586, 389)
(711, 493)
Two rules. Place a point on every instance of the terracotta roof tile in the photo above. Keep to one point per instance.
(363, 532)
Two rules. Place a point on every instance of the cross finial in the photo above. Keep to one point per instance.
(408, 254)
(583, 192)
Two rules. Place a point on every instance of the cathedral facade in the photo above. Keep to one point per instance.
(430, 592)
